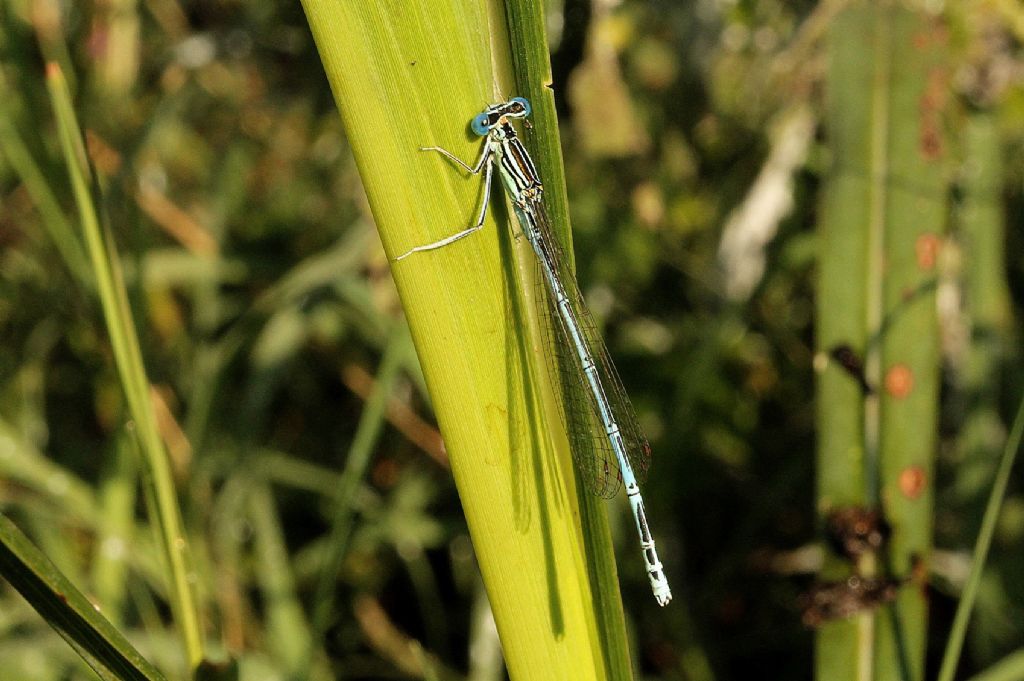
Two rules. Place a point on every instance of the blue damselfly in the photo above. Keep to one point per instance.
(607, 444)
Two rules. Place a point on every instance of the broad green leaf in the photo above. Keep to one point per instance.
(409, 75)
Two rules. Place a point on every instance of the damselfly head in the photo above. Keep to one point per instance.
(517, 107)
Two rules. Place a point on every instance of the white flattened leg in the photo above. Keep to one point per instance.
(488, 175)
(452, 157)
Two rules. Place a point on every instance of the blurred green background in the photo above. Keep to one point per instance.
(695, 153)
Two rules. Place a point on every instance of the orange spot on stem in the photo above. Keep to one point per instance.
(931, 105)
(912, 482)
(927, 250)
(899, 381)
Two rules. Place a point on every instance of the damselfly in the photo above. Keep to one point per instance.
(607, 443)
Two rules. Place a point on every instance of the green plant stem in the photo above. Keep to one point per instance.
(883, 219)
(907, 337)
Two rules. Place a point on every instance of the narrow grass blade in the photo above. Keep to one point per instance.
(117, 499)
(982, 232)
(287, 627)
(69, 612)
(17, 154)
(113, 297)
(23, 464)
(988, 527)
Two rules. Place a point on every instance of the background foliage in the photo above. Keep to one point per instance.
(272, 333)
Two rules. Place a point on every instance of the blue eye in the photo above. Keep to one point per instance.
(481, 125)
(526, 104)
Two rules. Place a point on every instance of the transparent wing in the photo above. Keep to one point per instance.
(580, 407)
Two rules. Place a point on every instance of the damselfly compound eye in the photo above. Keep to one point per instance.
(525, 104)
(481, 124)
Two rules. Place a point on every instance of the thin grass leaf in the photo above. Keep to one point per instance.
(981, 443)
(159, 484)
(117, 499)
(951, 656)
(68, 611)
(17, 154)
(287, 626)
(23, 464)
